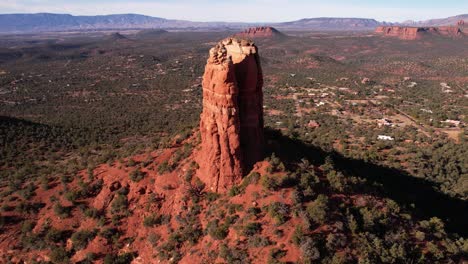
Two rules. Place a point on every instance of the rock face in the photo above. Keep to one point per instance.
(231, 124)
(413, 33)
(461, 23)
(259, 32)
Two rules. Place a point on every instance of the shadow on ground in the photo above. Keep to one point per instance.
(407, 190)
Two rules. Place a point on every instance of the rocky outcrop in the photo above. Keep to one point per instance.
(231, 124)
(259, 32)
(461, 23)
(413, 33)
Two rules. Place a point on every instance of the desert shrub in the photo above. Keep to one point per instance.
(137, 175)
(164, 167)
(279, 212)
(212, 196)
(196, 190)
(235, 190)
(298, 235)
(154, 238)
(309, 250)
(152, 220)
(335, 241)
(125, 258)
(434, 227)
(119, 205)
(112, 235)
(276, 254)
(258, 241)
(337, 180)
(233, 254)
(252, 178)
(59, 255)
(28, 192)
(27, 226)
(216, 230)
(317, 210)
(269, 182)
(81, 238)
(56, 236)
(276, 165)
(251, 229)
(308, 179)
(62, 211)
(91, 213)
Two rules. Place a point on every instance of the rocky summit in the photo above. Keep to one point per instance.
(231, 124)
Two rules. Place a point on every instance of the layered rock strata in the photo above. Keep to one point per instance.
(231, 123)
(259, 32)
(413, 33)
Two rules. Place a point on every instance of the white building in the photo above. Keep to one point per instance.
(383, 137)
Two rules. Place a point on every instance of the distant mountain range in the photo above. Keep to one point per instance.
(437, 22)
(23, 23)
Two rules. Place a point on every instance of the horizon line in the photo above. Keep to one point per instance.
(227, 21)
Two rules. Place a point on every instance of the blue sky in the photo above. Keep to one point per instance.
(247, 11)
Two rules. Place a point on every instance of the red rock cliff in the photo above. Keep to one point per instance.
(231, 124)
(259, 32)
(413, 33)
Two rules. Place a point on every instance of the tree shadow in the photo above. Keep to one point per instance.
(418, 195)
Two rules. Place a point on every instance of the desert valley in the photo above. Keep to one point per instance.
(234, 143)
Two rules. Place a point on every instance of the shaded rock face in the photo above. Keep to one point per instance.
(413, 33)
(231, 123)
(259, 32)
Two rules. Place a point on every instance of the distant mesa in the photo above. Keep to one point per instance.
(231, 123)
(260, 32)
(415, 33)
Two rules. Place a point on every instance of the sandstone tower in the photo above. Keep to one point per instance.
(231, 124)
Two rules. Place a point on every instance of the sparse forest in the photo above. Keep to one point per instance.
(97, 132)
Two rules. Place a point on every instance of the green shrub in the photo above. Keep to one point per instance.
(92, 213)
(279, 212)
(59, 255)
(125, 258)
(276, 254)
(251, 229)
(55, 236)
(258, 241)
(216, 230)
(119, 205)
(152, 220)
(252, 178)
(81, 238)
(62, 211)
(137, 175)
(318, 209)
(164, 167)
(235, 190)
(269, 182)
(298, 235)
(337, 180)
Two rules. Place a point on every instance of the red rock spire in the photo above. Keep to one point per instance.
(231, 124)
